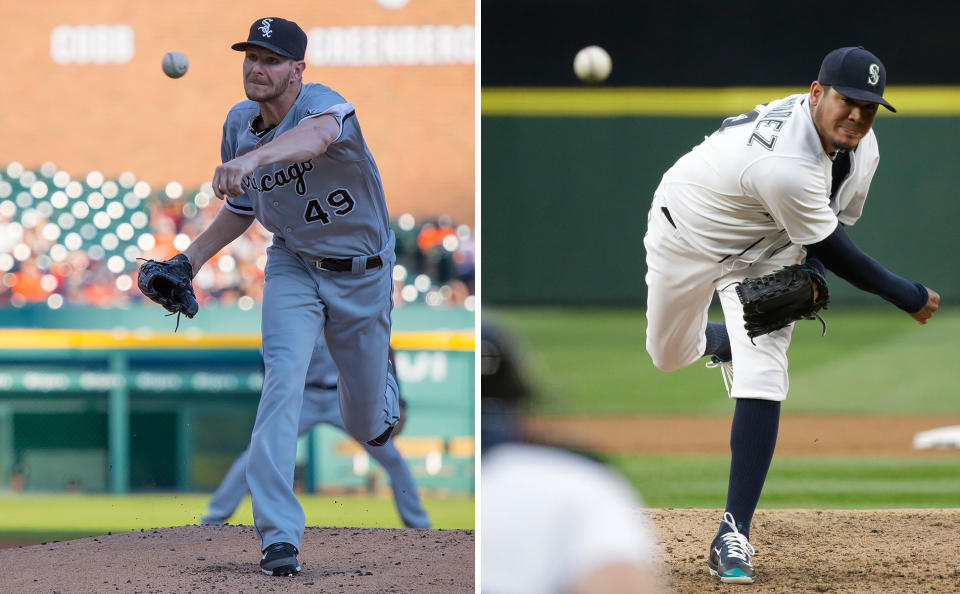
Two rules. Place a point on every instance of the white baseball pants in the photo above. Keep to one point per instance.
(680, 286)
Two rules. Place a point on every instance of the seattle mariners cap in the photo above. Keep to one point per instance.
(855, 73)
(280, 36)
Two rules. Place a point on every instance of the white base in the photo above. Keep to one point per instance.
(942, 438)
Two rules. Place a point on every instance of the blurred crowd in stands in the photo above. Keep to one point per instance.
(77, 241)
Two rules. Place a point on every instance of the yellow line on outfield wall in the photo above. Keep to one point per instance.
(673, 101)
(428, 340)
(34, 338)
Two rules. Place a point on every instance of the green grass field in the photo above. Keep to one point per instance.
(701, 481)
(36, 517)
(872, 361)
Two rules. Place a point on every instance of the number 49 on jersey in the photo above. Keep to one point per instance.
(339, 200)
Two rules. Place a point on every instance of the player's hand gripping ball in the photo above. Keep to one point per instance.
(175, 64)
(592, 64)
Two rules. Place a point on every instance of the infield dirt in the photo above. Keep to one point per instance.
(881, 551)
(208, 559)
(797, 551)
(800, 435)
(878, 551)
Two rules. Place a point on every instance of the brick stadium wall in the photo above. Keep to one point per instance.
(418, 119)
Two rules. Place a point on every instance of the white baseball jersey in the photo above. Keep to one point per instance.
(329, 206)
(550, 517)
(761, 182)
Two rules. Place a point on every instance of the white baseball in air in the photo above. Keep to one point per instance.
(592, 64)
(175, 64)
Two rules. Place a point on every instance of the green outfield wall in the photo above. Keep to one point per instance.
(96, 400)
(567, 179)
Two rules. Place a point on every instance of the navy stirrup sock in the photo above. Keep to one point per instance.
(718, 342)
(753, 438)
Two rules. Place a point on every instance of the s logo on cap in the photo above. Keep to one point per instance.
(266, 31)
(874, 77)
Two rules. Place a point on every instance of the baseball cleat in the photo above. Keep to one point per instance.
(383, 437)
(280, 558)
(730, 555)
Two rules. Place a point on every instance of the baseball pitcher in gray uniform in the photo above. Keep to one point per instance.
(294, 158)
(321, 405)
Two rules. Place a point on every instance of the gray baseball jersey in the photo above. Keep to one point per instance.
(330, 206)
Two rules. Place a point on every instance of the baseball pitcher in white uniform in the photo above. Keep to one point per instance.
(772, 187)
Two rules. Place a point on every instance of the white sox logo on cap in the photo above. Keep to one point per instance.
(874, 77)
(266, 31)
(278, 35)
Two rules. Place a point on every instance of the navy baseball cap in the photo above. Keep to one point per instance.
(502, 376)
(280, 36)
(855, 73)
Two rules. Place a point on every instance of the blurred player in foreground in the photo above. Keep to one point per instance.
(769, 188)
(321, 405)
(552, 521)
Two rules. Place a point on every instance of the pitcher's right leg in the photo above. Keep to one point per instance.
(292, 321)
(680, 286)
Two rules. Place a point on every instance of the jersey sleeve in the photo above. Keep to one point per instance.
(241, 204)
(842, 256)
(794, 193)
(324, 101)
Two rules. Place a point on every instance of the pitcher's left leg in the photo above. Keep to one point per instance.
(357, 332)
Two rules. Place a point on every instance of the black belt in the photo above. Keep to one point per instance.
(345, 264)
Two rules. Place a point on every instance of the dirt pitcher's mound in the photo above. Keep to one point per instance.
(212, 559)
(883, 551)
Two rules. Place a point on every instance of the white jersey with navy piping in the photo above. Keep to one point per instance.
(762, 181)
